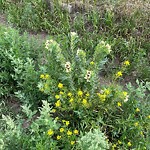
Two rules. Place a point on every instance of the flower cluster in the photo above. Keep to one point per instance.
(122, 69)
(46, 76)
(64, 133)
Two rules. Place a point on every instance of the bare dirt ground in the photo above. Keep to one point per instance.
(3, 19)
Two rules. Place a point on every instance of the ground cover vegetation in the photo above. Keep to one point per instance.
(72, 86)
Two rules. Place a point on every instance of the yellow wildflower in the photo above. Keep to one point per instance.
(53, 110)
(118, 74)
(84, 101)
(76, 131)
(141, 133)
(119, 104)
(126, 63)
(61, 130)
(58, 103)
(119, 142)
(60, 85)
(92, 63)
(136, 124)
(114, 145)
(80, 93)
(69, 94)
(67, 123)
(57, 96)
(61, 93)
(47, 76)
(71, 100)
(129, 144)
(57, 118)
(58, 137)
(63, 121)
(124, 94)
(69, 133)
(42, 76)
(148, 116)
(87, 94)
(102, 97)
(42, 89)
(137, 110)
(50, 132)
(107, 91)
(72, 142)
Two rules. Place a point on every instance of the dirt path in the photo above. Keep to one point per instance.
(40, 36)
(3, 19)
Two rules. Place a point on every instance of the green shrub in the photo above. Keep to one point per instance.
(19, 64)
(93, 140)
(30, 134)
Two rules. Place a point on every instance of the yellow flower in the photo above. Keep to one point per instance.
(127, 63)
(57, 96)
(63, 121)
(72, 142)
(61, 93)
(57, 118)
(61, 130)
(42, 76)
(71, 100)
(141, 133)
(136, 124)
(60, 85)
(58, 103)
(124, 94)
(119, 104)
(114, 145)
(107, 91)
(42, 89)
(137, 110)
(69, 94)
(102, 97)
(69, 133)
(129, 144)
(76, 131)
(148, 116)
(67, 123)
(50, 132)
(53, 110)
(58, 137)
(87, 94)
(118, 74)
(46, 76)
(80, 93)
(84, 101)
(119, 142)
(92, 63)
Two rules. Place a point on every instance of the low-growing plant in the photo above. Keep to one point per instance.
(93, 140)
(18, 65)
(75, 92)
(42, 132)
